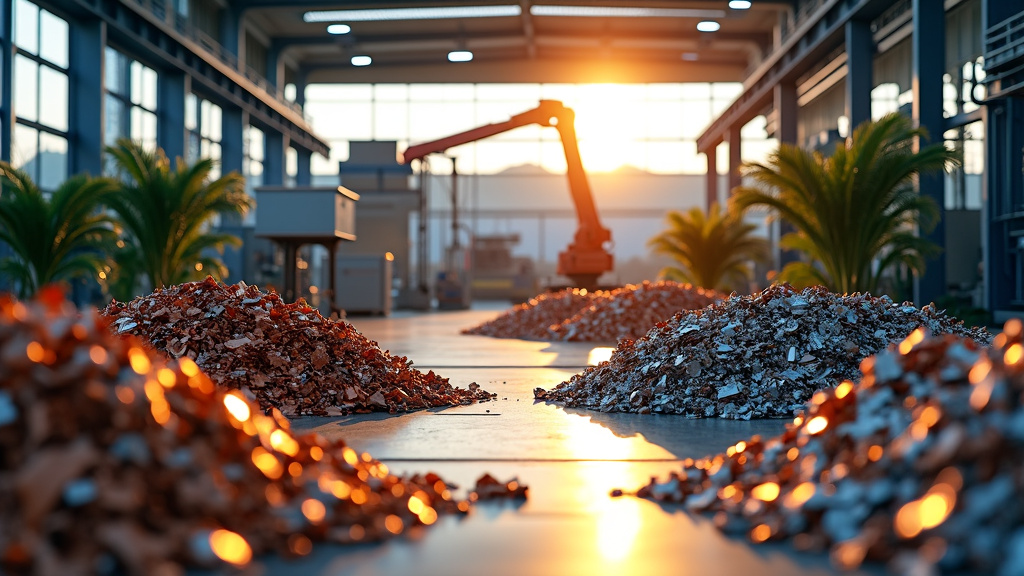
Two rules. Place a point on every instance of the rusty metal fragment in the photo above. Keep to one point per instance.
(602, 316)
(116, 460)
(286, 356)
(918, 465)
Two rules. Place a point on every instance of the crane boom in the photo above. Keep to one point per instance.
(586, 258)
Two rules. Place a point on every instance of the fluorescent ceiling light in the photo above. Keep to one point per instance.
(460, 56)
(361, 60)
(339, 29)
(739, 4)
(623, 12)
(426, 13)
(708, 26)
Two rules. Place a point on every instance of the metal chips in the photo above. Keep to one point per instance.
(631, 311)
(602, 316)
(287, 355)
(532, 320)
(759, 356)
(115, 460)
(918, 465)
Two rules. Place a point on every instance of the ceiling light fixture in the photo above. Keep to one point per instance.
(690, 56)
(708, 26)
(460, 56)
(739, 4)
(361, 60)
(622, 12)
(339, 29)
(427, 13)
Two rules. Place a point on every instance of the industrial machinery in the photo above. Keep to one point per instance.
(586, 257)
(497, 274)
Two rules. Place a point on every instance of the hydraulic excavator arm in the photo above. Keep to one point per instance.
(586, 258)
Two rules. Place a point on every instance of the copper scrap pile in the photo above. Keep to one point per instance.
(759, 356)
(114, 459)
(288, 355)
(631, 311)
(919, 464)
(532, 320)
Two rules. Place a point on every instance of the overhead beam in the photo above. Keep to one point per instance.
(532, 71)
(815, 37)
(132, 26)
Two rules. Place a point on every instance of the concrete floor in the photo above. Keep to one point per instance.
(571, 460)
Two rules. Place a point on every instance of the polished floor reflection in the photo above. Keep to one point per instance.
(571, 459)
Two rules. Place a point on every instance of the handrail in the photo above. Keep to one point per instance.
(183, 26)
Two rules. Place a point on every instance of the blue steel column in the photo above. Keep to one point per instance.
(170, 106)
(273, 161)
(304, 177)
(1004, 183)
(233, 121)
(860, 52)
(230, 31)
(786, 109)
(6, 65)
(927, 67)
(88, 38)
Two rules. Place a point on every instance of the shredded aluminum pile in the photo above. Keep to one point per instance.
(532, 320)
(116, 460)
(632, 311)
(919, 465)
(759, 356)
(287, 355)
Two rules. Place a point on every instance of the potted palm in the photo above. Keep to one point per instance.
(855, 213)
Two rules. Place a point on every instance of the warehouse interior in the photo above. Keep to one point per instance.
(269, 92)
(321, 104)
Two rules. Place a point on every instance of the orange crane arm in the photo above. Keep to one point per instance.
(586, 257)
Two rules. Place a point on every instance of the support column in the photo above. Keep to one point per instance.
(711, 179)
(735, 158)
(860, 53)
(786, 110)
(233, 121)
(88, 37)
(273, 161)
(303, 175)
(232, 35)
(927, 66)
(172, 89)
(275, 69)
(6, 94)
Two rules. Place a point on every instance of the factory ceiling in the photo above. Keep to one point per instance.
(548, 41)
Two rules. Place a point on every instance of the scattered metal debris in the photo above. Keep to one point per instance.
(287, 356)
(116, 460)
(759, 356)
(602, 316)
(919, 465)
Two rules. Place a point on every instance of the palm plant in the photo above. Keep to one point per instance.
(167, 214)
(57, 238)
(854, 213)
(714, 251)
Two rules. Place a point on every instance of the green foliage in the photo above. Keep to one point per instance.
(57, 238)
(167, 213)
(855, 213)
(713, 251)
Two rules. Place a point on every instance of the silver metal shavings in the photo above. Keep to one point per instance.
(918, 465)
(794, 342)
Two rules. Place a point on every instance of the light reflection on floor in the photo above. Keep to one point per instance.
(571, 460)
